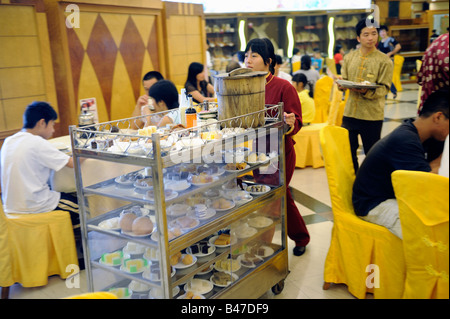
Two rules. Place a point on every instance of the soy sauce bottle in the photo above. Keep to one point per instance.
(191, 114)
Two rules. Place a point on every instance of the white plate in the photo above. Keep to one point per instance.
(223, 209)
(213, 239)
(174, 223)
(180, 264)
(214, 179)
(106, 224)
(233, 275)
(178, 186)
(235, 170)
(131, 234)
(143, 187)
(268, 251)
(210, 212)
(209, 269)
(355, 85)
(204, 286)
(61, 146)
(155, 290)
(264, 187)
(228, 271)
(260, 222)
(137, 272)
(240, 257)
(172, 196)
(124, 183)
(195, 295)
(257, 161)
(245, 231)
(178, 210)
(136, 285)
(200, 255)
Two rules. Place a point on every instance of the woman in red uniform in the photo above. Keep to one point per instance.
(260, 56)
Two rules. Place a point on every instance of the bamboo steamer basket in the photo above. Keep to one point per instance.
(240, 92)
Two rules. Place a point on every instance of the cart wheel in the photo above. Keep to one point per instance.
(278, 288)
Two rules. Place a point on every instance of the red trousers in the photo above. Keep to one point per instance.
(296, 227)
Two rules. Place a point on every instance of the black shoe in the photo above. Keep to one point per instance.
(299, 250)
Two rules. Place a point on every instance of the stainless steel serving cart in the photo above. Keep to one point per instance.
(215, 195)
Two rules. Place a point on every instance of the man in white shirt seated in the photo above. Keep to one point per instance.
(27, 162)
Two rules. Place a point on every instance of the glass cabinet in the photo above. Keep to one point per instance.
(183, 213)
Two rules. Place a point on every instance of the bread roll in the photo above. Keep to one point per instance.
(142, 226)
(126, 221)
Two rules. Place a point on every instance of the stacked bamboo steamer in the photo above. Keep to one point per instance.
(240, 92)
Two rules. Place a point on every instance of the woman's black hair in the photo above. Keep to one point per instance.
(195, 68)
(305, 62)
(165, 90)
(301, 77)
(37, 111)
(265, 49)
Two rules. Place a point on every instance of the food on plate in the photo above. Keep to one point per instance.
(235, 166)
(202, 247)
(191, 295)
(260, 221)
(249, 259)
(252, 158)
(208, 169)
(121, 293)
(144, 182)
(201, 178)
(227, 265)
(185, 222)
(142, 226)
(178, 209)
(151, 253)
(198, 286)
(262, 157)
(223, 240)
(134, 265)
(187, 259)
(257, 188)
(138, 286)
(147, 131)
(196, 199)
(126, 221)
(222, 204)
(175, 259)
(111, 223)
(112, 259)
(133, 248)
(222, 278)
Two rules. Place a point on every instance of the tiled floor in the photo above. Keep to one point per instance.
(310, 189)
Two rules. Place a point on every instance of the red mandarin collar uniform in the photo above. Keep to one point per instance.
(280, 90)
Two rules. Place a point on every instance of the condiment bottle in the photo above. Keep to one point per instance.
(191, 114)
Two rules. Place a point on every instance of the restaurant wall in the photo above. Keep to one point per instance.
(103, 52)
(26, 72)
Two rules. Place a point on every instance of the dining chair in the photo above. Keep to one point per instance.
(364, 256)
(423, 202)
(34, 247)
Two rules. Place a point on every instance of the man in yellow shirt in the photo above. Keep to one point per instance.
(364, 110)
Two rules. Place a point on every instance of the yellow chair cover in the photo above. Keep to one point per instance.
(358, 250)
(398, 64)
(307, 146)
(423, 202)
(322, 95)
(94, 295)
(331, 65)
(419, 93)
(296, 66)
(35, 246)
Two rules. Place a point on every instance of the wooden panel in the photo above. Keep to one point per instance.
(26, 72)
(19, 51)
(14, 109)
(17, 21)
(19, 82)
(185, 39)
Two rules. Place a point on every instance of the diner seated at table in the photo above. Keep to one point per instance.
(300, 82)
(403, 149)
(28, 161)
(163, 96)
(196, 84)
(148, 80)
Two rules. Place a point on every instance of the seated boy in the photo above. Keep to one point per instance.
(27, 162)
(403, 149)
